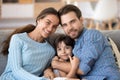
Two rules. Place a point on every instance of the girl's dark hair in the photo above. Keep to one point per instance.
(27, 28)
(66, 39)
(69, 8)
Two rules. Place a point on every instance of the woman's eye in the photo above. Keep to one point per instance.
(47, 23)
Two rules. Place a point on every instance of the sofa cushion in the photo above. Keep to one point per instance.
(3, 59)
(115, 50)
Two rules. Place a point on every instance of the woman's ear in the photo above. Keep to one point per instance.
(38, 21)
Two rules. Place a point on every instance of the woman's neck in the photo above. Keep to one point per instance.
(36, 36)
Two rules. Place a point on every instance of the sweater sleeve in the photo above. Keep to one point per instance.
(15, 59)
(89, 50)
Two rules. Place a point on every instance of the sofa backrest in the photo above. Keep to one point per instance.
(114, 34)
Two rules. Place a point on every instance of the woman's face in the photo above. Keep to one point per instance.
(47, 25)
(64, 51)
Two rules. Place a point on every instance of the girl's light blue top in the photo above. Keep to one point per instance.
(96, 57)
(27, 58)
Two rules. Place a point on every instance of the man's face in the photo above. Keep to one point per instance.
(71, 24)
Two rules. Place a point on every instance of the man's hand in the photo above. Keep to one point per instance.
(48, 73)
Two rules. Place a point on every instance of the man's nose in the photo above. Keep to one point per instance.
(70, 28)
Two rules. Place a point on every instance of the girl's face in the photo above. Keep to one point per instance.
(64, 51)
(47, 25)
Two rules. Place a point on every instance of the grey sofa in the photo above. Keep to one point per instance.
(114, 34)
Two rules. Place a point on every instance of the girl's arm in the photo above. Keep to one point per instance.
(74, 66)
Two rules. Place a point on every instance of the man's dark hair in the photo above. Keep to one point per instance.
(69, 8)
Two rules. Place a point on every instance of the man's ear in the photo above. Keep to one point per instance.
(81, 19)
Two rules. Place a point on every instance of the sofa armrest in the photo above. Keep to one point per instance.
(114, 35)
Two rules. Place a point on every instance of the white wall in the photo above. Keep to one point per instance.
(17, 11)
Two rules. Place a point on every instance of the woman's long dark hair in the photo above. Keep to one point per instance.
(27, 28)
(5, 44)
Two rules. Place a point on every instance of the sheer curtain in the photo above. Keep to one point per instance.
(105, 11)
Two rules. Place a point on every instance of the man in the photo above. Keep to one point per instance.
(91, 47)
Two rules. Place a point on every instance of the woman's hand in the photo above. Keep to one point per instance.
(54, 62)
(48, 73)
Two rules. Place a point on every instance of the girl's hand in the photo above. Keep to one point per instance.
(74, 62)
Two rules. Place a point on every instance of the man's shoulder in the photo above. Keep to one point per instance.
(92, 32)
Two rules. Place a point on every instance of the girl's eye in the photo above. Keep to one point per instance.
(67, 47)
(58, 49)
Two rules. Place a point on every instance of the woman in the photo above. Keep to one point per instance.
(29, 52)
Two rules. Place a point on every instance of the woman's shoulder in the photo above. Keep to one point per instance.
(19, 36)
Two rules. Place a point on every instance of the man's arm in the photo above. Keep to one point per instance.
(64, 66)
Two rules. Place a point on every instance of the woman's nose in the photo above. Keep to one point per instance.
(50, 28)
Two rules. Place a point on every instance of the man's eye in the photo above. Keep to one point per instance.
(64, 25)
(73, 21)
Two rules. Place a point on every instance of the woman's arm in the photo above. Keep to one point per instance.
(15, 61)
(48, 73)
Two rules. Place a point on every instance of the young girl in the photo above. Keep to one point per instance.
(29, 52)
(64, 45)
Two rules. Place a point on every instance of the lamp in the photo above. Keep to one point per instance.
(105, 10)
